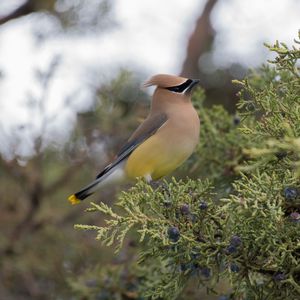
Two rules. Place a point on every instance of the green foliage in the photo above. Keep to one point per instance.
(34, 210)
(261, 213)
(142, 212)
(273, 96)
(242, 221)
(190, 207)
(113, 283)
(221, 143)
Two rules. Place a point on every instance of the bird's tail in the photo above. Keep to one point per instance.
(114, 174)
(84, 193)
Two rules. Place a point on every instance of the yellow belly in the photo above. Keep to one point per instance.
(156, 157)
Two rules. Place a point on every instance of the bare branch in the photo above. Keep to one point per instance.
(26, 8)
(199, 41)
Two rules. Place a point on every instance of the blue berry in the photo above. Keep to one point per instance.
(203, 205)
(185, 209)
(235, 241)
(290, 193)
(279, 277)
(295, 217)
(205, 272)
(236, 120)
(234, 268)
(174, 234)
(281, 155)
(230, 249)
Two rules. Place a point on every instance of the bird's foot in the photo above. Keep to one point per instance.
(159, 184)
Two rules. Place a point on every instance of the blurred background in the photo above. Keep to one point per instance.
(70, 76)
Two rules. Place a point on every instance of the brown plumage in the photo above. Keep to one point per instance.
(162, 142)
(164, 80)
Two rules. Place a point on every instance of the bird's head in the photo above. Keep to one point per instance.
(173, 84)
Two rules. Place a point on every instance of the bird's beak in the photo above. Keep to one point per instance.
(194, 83)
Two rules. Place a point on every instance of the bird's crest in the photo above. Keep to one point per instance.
(164, 80)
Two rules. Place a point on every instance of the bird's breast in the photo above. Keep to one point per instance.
(168, 148)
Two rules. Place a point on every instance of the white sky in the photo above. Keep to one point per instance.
(151, 36)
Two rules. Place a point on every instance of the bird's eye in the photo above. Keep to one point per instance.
(181, 87)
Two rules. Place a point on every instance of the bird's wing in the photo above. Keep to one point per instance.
(142, 133)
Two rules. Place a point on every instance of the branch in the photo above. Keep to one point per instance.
(25, 224)
(25, 9)
(199, 41)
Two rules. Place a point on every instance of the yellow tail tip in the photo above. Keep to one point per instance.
(73, 199)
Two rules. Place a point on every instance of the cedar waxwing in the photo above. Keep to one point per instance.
(166, 138)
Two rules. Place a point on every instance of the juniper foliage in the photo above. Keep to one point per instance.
(240, 218)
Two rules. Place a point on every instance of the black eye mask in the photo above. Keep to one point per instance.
(180, 88)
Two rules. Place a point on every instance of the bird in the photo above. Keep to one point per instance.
(166, 138)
